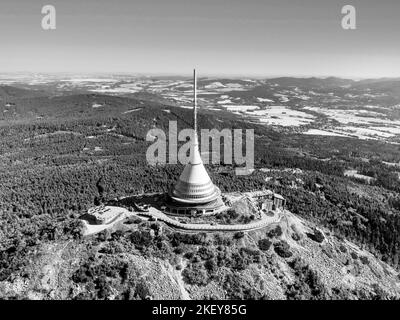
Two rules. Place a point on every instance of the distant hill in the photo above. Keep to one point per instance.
(147, 113)
(223, 81)
(388, 86)
(9, 93)
(30, 106)
(312, 82)
(151, 97)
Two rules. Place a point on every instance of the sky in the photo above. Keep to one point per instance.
(217, 37)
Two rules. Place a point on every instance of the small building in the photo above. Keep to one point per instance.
(267, 205)
(267, 200)
(105, 214)
(279, 201)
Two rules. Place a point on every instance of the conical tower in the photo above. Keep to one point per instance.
(194, 185)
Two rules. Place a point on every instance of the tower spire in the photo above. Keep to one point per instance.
(195, 157)
(195, 103)
(194, 185)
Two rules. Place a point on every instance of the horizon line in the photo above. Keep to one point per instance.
(203, 75)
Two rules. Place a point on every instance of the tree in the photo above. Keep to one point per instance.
(282, 248)
(264, 244)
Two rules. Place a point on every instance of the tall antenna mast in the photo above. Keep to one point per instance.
(195, 103)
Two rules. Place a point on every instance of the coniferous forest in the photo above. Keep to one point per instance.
(50, 165)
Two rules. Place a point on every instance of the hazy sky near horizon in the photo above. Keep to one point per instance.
(225, 37)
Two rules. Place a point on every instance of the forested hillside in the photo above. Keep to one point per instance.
(54, 149)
